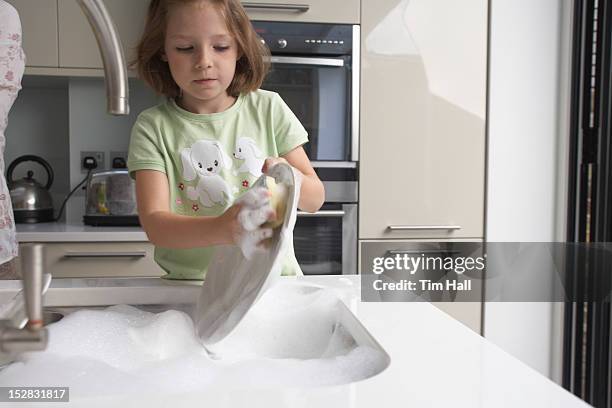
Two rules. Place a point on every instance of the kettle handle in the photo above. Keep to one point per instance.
(31, 157)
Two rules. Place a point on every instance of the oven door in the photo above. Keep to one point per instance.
(325, 242)
(318, 91)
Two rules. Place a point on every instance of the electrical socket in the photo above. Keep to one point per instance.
(99, 156)
(117, 155)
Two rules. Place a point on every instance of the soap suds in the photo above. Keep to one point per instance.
(284, 340)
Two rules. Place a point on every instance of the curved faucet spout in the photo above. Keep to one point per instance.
(115, 71)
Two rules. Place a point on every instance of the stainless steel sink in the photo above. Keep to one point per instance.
(51, 316)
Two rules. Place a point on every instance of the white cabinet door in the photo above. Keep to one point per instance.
(463, 305)
(77, 43)
(39, 28)
(423, 108)
(318, 11)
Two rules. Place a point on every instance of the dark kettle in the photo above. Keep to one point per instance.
(31, 200)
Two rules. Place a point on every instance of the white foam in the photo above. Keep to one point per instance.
(284, 340)
(285, 325)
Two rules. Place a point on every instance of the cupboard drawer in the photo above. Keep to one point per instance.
(101, 259)
(467, 312)
(314, 11)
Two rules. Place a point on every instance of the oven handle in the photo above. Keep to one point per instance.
(322, 213)
(326, 62)
(302, 8)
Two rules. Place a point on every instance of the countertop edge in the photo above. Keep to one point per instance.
(75, 232)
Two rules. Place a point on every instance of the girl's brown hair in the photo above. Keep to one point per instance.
(251, 67)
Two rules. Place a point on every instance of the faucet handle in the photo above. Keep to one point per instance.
(32, 265)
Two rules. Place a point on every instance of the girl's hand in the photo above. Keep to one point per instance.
(243, 220)
(312, 191)
(270, 162)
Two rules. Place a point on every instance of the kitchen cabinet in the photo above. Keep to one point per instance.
(58, 39)
(100, 259)
(463, 305)
(468, 313)
(423, 111)
(314, 11)
(39, 28)
(77, 43)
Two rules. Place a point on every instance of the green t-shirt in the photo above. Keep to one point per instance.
(211, 160)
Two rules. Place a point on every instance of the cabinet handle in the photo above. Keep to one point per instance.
(300, 8)
(426, 251)
(135, 254)
(422, 227)
(323, 213)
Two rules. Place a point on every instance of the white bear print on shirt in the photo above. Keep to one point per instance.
(247, 150)
(206, 158)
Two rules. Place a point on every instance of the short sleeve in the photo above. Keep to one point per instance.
(144, 152)
(288, 131)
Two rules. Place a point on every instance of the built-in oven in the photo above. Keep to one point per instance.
(325, 242)
(315, 69)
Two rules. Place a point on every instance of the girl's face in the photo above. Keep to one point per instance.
(202, 55)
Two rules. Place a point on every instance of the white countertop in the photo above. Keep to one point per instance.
(78, 232)
(435, 362)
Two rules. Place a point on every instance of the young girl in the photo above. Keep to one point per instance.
(195, 154)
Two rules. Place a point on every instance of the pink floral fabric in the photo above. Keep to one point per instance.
(12, 65)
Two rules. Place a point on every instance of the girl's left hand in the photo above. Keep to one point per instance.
(270, 162)
(312, 191)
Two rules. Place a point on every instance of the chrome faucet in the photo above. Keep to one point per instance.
(13, 339)
(115, 71)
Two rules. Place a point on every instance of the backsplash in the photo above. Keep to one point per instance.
(92, 129)
(58, 117)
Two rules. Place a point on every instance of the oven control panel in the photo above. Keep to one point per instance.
(305, 38)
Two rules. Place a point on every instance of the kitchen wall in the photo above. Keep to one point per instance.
(92, 128)
(527, 155)
(58, 117)
(38, 124)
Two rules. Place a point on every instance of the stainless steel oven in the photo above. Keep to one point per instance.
(315, 69)
(325, 242)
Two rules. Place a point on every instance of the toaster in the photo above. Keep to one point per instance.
(111, 199)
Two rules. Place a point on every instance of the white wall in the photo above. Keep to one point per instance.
(525, 197)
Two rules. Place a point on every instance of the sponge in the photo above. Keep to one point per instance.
(278, 201)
